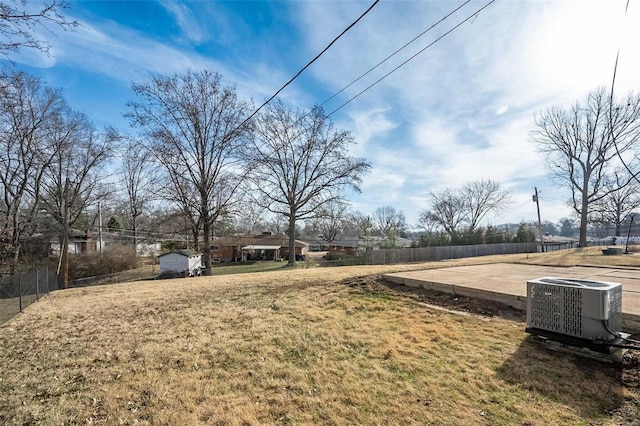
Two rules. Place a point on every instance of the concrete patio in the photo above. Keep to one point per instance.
(507, 283)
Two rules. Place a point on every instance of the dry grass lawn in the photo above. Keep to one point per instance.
(304, 346)
(586, 256)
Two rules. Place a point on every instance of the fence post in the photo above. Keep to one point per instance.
(37, 285)
(20, 292)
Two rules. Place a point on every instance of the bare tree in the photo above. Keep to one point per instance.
(363, 227)
(21, 20)
(300, 163)
(181, 193)
(427, 222)
(580, 144)
(73, 177)
(276, 223)
(389, 220)
(621, 199)
(447, 210)
(331, 220)
(481, 197)
(433, 234)
(390, 224)
(28, 116)
(140, 178)
(459, 211)
(196, 127)
(251, 220)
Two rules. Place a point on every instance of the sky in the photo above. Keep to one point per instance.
(460, 111)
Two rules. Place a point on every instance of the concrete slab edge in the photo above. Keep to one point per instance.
(622, 268)
(514, 301)
(631, 322)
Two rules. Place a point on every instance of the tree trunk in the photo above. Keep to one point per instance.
(619, 221)
(16, 257)
(206, 250)
(292, 240)
(584, 214)
(134, 225)
(63, 272)
(63, 269)
(196, 239)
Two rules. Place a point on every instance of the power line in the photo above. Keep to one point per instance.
(613, 82)
(549, 200)
(228, 134)
(308, 64)
(511, 210)
(411, 58)
(396, 52)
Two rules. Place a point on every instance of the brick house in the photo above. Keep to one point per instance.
(266, 246)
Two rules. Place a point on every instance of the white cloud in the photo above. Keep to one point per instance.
(367, 127)
(460, 111)
(128, 56)
(189, 23)
(386, 178)
(464, 108)
(117, 52)
(35, 58)
(435, 137)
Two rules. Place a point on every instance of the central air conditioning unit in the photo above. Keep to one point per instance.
(579, 308)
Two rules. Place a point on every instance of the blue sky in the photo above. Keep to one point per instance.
(460, 111)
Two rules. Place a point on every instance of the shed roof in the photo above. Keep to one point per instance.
(184, 252)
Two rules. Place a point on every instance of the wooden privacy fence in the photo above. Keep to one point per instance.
(426, 254)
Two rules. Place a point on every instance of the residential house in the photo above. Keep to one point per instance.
(79, 242)
(351, 246)
(148, 249)
(266, 246)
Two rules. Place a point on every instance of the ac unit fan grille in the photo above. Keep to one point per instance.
(579, 308)
(557, 309)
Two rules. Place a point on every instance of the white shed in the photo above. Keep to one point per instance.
(180, 261)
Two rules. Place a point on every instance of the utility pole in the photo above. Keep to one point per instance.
(100, 225)
(63, 265)
(626, 249)
(536, 199)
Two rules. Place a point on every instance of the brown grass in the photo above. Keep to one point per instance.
(304, 346)
(581, 256)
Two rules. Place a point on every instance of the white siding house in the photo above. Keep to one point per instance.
(148, 249)
(181, 261)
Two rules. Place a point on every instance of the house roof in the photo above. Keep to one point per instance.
(184, 252)
(259, 240)
(260, 247)
(373, 240)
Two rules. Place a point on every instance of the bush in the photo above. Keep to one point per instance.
(341, 259)
(335, 256)
(91, 264)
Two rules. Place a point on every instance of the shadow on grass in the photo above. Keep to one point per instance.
(591, 388)
(595, 390)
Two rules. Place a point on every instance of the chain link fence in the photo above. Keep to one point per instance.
(22, 289)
